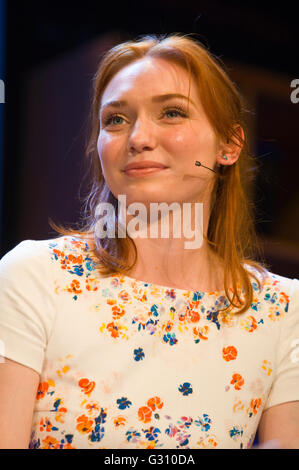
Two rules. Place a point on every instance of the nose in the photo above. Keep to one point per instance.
(141, 137)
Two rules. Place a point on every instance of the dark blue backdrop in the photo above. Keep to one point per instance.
(2, 77)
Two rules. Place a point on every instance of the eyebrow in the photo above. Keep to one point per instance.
(155, 99)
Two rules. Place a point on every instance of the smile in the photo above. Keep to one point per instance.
(140, 172)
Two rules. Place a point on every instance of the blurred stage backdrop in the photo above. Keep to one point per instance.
(52, 51)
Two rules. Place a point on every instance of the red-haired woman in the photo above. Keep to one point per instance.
(145, 341)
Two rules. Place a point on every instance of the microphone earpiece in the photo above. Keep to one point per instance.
(197, 163)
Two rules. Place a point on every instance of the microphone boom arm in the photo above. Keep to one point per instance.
(197, 163)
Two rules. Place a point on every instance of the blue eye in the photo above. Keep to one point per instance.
(110, 118)
(174, 109)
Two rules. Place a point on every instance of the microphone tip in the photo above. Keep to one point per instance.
(197, 163)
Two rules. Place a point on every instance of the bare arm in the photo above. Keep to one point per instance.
(281, 422)
(18, 387)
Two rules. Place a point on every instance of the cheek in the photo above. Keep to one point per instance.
(189, 141)
(183, 141)
(107, 147)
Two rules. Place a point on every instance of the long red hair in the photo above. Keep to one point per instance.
(231, 232)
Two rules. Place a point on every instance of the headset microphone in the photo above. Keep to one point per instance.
(197, 163)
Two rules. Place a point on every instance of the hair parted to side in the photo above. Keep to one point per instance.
(231, 232)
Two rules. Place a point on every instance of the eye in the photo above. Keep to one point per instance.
(110, 118)
(173, 109)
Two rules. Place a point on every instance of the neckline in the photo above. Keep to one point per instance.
(218, 293)
(169, 288)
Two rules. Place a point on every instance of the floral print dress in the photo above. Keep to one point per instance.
(129, 364)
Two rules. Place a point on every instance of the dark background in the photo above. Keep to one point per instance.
(50, 55)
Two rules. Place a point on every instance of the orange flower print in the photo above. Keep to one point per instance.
(255, 403)
(50, 443)
(124, 296)
(167, 326)
(284, 298)
(60, 414)
(64, 370)
(200, 333)
(76, 243)
(113, 329)
(266, 366)
(151, 445)
(237, 381)
(75, 259)
(145, 414)
(46, 425)
(42, 389)
(226, 318)
(75, 287)
(229, 353)
(86, 386)
(84, 424)
(212, 442)
(57, 252)
(238, 406)
(119, 421)
(91, 407)
(155, 403)
(117, 312)
(249, 324)
(91, 284)
(208, 442)
(193, 316)
(66, 446)
(275, 313)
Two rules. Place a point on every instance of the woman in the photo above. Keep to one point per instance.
(143, 341)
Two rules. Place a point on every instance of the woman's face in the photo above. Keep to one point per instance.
(147, 126)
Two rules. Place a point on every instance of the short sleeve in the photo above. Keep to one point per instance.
(285, 386)
(27, 308)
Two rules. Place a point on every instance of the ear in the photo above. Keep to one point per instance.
(232, 148)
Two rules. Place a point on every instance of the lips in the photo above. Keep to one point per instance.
(145, 164)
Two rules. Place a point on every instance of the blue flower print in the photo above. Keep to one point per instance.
(154, 310)
(271, 299)
(123, 403)
(97, 433)
(235, 432)
(89, 263)
(212, 315)
(197, 296)
(78, 269)
(101, 419)
(56, 404)
(152, 433)
(171, 294)
(132, 435)
(139, 354)
(185, 388)
(170, 338)
(204, 423)
(255, 286)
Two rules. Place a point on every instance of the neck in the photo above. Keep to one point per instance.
(166, 261)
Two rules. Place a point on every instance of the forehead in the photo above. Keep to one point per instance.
(149, 76)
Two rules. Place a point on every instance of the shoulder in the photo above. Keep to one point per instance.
(275, 293)
(38, 255)
(285, 287)
(28, 254)
(272, 282)
(74, 254)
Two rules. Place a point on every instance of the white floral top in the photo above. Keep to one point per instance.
(128, 364)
